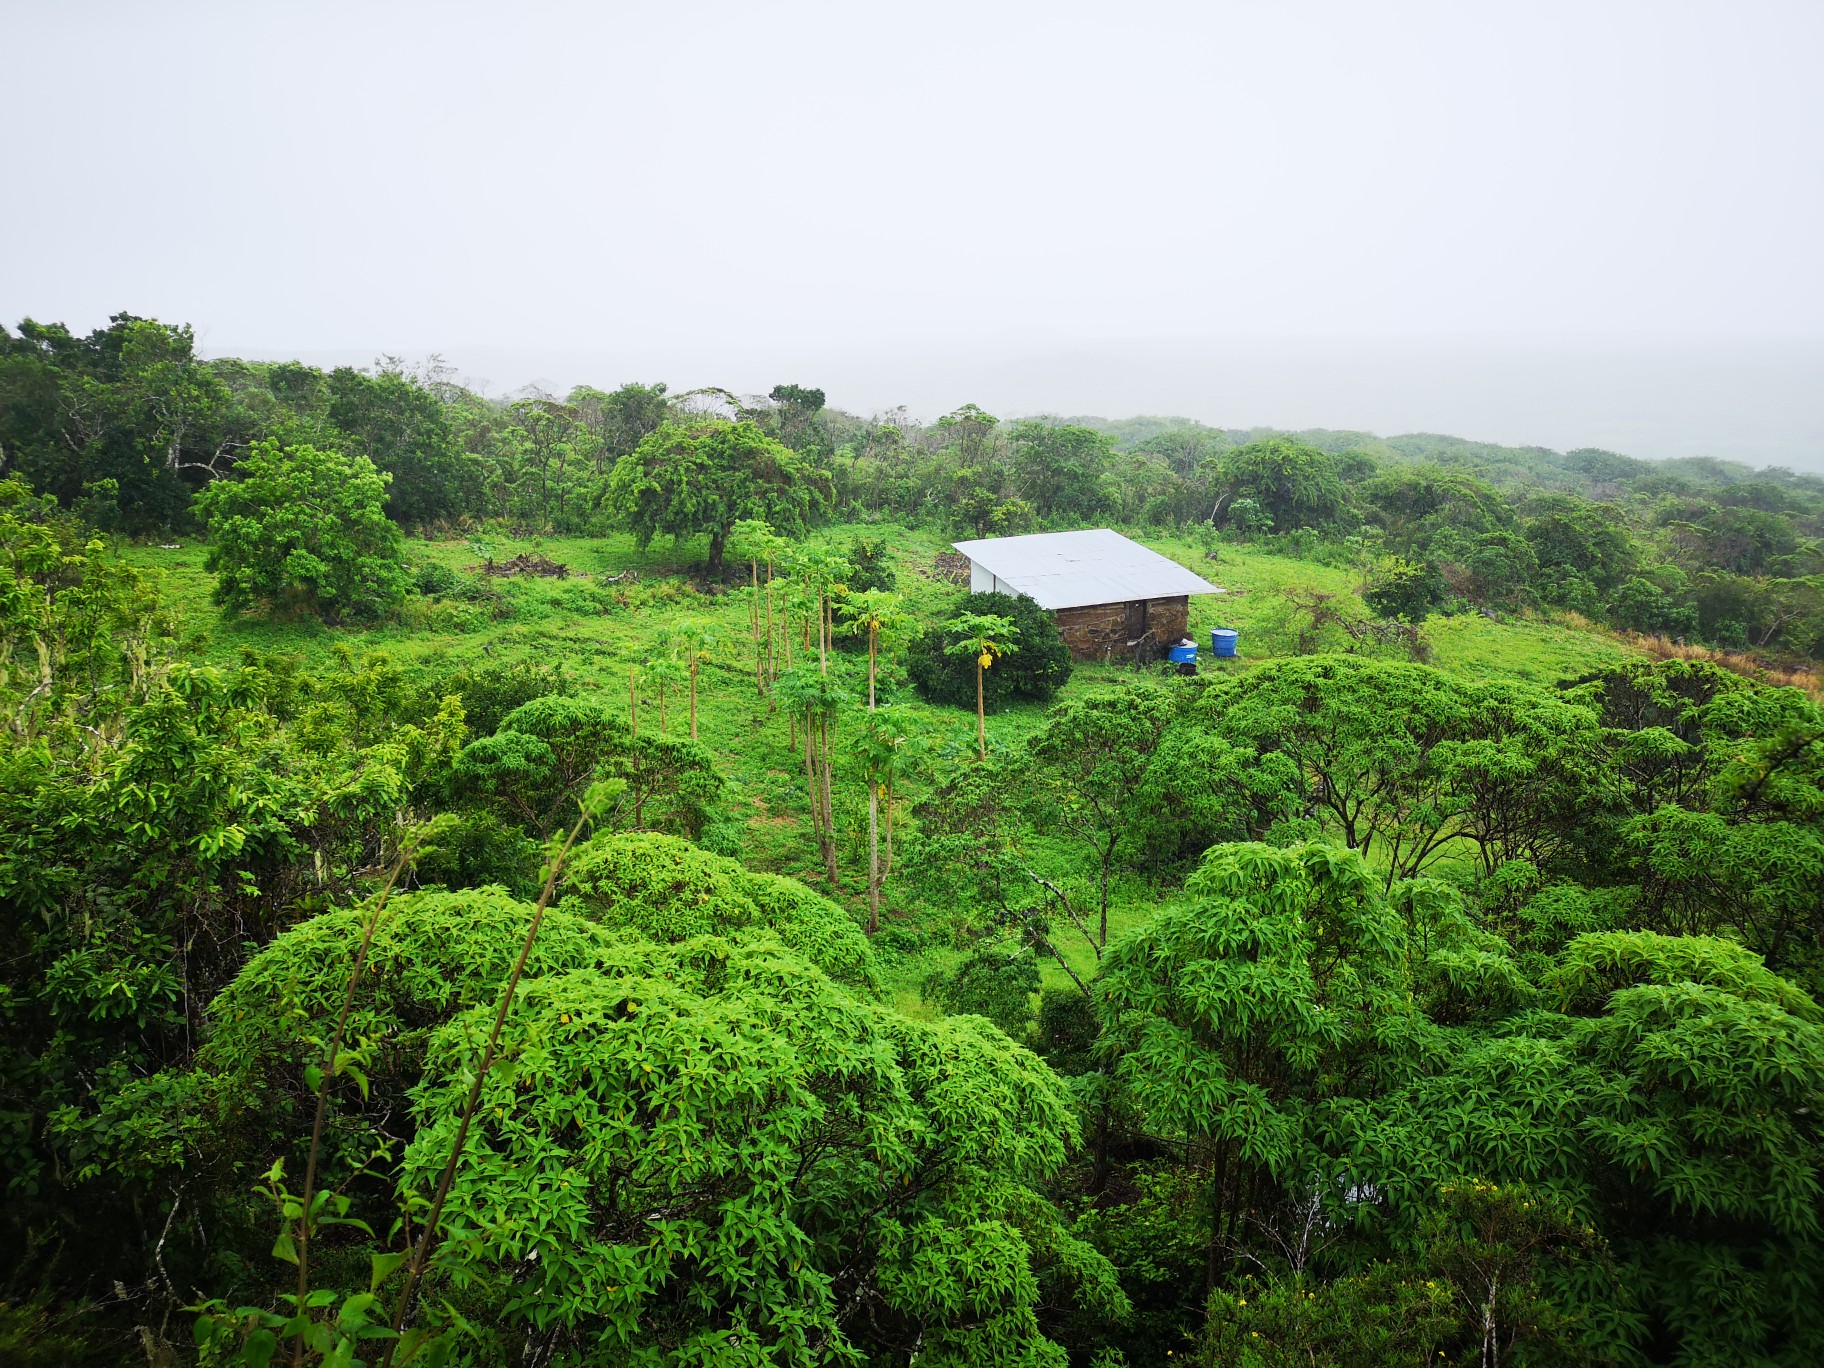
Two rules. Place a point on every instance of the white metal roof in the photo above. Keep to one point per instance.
(1074, 569)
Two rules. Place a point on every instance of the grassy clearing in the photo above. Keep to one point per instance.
(597, 632)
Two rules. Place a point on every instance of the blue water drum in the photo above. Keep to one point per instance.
(1183, 655)
(1222, 642)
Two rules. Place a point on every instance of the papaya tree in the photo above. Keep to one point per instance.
(697, 640)
(986, 637)
(879, 615)
(814, 700)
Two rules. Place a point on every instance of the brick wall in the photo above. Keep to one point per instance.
(1107, 631)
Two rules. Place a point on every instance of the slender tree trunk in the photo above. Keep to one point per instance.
(873, 804)
(771, 673)
(829, 807)
(754, 617)
(693, 696)
(633, 701)
(661, 710)
(1104, 936)
(1212, 1260)
(812, 787)
(886, 865)
(873, 856)
(981, 717)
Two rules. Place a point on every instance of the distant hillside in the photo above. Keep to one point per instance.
(1586, 469)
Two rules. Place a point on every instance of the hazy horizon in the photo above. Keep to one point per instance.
(1555, 223)
(1760, 403)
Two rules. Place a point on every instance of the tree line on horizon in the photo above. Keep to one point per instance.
(126, 427)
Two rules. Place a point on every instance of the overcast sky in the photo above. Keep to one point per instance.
(1588, 222)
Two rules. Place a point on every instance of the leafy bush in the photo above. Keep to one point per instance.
(669, 890)
(1642, 606)
(870, 567)
(548, 751)
(1405, 589)
(490, 692)
(991, 984)
(476, 849)
(433, 579)
(296, 526)
(722, 1141)
(1035, 672)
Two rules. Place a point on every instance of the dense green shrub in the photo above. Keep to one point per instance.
(547, 752)
(997, 986)
(1035, 672)
(1405, 589)
(870, 565)
(299, 527)
(433, 578)
(476, 849)
(490, 692)
(669, 890)
(720, 1143)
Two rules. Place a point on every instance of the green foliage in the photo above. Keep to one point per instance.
(123, 422)
(667, 891)
(871, 569)
(701, 479)
(1037, 672)
(1292, 484)
(1383, 1315)
(405, 430)
(434, 954)
(1576, 539)
(433, 579)
(490, 692)
(477, 849)
(1405, 589)
(1400, 762)
(1234, 1014)
(997, 986)
(77, 627)
(1064, 472)
(547, 752)
(1089, 765)
(690, 1151)
(300, 527)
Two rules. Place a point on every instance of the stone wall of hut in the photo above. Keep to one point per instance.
(1110, 631)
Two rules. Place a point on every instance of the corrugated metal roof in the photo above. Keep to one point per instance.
(1075, 569)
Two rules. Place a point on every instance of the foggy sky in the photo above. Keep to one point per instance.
(1588, 223)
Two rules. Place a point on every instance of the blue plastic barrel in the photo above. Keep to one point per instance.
(1222, 642)
(1183, 655)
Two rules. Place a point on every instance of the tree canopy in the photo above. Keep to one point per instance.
(301, 527)
(700, 479)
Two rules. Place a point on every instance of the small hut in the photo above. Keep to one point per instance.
(1111, 597)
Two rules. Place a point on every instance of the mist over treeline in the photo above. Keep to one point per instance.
(126, 424)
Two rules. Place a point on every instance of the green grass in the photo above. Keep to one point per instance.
(597, 632)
